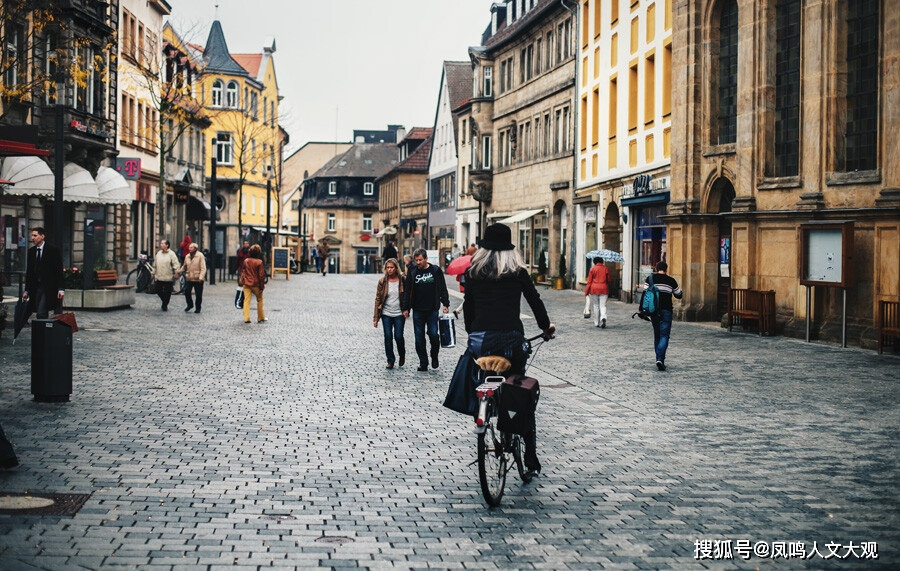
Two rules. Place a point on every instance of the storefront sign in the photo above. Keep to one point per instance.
(130, 168)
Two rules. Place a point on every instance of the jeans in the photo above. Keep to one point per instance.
(393, 331)
(260, 314)
(662, 327)
(196, 287)
(421, 319)
(598, 306)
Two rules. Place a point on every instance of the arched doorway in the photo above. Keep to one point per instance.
(612, 240)
(721, 197)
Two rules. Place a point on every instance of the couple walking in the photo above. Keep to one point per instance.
(423, 291)
(166, 268)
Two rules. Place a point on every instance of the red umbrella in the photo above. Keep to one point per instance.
(459, 265)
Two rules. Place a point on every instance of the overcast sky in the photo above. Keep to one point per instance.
(346, 64)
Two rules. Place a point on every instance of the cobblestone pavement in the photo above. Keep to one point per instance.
(206, 442)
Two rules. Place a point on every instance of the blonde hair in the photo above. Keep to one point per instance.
(395, 263)
(495, 264)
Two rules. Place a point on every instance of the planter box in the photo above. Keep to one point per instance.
(73, 299)
(107, 298)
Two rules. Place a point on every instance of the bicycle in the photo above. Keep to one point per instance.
(143, 276)
(494, 446)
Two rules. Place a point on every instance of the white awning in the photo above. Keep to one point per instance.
(79, 185)
(388, 231)
(113, 187)
(520, 216)
(30, 175)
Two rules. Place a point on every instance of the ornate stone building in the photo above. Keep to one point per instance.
(783, 113)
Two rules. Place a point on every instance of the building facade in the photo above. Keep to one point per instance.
(340, 202)
(623, 151)
(521, 124)
(785, 110)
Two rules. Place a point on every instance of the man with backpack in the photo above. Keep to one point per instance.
(661, 287)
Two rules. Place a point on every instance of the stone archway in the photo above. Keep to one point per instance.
(720, 199)
(612, 240)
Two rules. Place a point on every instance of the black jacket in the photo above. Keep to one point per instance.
(51, 271)
(494, 305)
(431, 280)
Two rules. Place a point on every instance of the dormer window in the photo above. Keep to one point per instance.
(332, 187)
(368, 188)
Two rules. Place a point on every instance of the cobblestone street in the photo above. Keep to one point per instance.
(205, 442)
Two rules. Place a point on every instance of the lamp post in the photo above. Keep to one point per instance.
(268, 211)
(214, 197)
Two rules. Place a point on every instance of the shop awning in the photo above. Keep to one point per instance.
(79, 185)
(113, 187)
(30, 175)
(520, 216)
(198, 209)
(659, 197)
(388, 231)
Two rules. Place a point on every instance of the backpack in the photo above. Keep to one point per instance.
(650, 300)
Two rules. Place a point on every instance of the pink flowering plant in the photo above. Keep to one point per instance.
(73, 278)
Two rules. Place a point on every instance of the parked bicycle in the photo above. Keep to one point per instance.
(142, 276)
(494, 446)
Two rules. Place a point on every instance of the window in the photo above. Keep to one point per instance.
(331, 222)
(368, 188)
(787, 88)
(243, 204)
(332, 187)
(217, 88)
(727, 76)
(15, 49)
(488, 82)
(253, 205)
(231, 95)
(862, 86)
(254, 105)
(486, 151)
(650, 89)
(224, 149)
(367, 223)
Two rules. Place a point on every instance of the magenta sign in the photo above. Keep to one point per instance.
(129, 168)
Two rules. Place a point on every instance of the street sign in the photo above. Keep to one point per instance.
(130, 168)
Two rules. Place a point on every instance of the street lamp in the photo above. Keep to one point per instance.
(214, 197)
(268, 210)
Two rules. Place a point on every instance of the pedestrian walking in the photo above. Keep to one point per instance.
(242, 254)
(388, 309)
(324, 252)
(425, 292)
(389, 252)
(597, 289)
(461, 278)
(495, 284)
(253, 279)
(315, 258)
(662, 319)
(44, 280)
(194, 270)
(165, 269)
(184, 247)
(408, 263)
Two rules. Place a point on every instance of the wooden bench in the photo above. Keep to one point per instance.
(108, 279)
(746, 305)
(888, 323)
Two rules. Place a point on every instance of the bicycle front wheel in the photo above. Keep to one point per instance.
(143, 280)
(131, 277)
(491, 465)
(518, 450)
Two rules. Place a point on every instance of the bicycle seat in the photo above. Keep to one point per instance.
(493, 364)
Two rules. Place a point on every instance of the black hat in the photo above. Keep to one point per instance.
(497, 237)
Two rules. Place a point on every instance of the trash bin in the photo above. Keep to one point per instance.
(51, 360)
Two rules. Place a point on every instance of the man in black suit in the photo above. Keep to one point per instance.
(44, 283)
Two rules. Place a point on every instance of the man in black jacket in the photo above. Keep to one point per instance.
(424, 293)
(44, 281)
(662, 319)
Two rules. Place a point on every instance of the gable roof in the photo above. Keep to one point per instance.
(509, 31)
(218, 58)
(362, 160)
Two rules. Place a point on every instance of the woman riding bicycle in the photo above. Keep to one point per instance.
(495, 284)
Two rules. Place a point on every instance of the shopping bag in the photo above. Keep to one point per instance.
(152, 288)
(447, 326)
(461, 395)
(239, 298)
(587, 307)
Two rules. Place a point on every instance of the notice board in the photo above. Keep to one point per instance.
(281, 261)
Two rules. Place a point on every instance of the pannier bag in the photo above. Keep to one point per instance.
(518, 400)
(447, 328)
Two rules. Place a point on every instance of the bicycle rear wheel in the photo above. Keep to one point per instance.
(518, 450)
(143, 280)
(491, 464)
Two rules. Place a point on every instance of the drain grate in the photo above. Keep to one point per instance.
(338, 539)
(15, 503)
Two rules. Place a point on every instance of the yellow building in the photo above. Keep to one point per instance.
(240, 95)
(624, 82)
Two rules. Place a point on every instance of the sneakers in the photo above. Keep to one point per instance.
(660, 365)
(603, 323)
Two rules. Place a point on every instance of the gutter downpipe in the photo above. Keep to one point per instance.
(575, 119)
